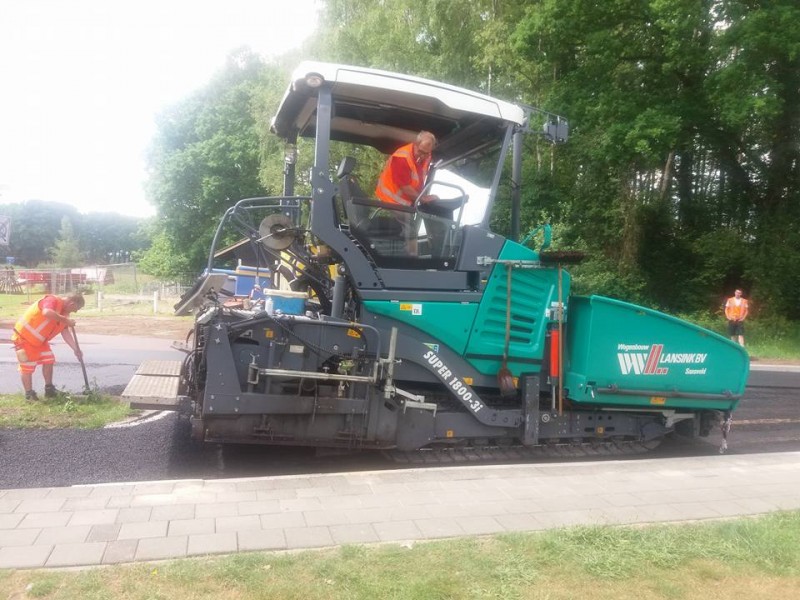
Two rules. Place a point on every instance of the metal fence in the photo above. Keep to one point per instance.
(39, 281)
(112, 287)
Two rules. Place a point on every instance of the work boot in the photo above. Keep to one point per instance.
(50, 391)
(31, 396)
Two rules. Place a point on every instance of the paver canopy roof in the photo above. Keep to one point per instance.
(385, 110)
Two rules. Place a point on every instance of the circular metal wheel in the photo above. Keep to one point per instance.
(276, 232)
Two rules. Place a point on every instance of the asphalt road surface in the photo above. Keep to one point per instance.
(111, 361)
(158, 447)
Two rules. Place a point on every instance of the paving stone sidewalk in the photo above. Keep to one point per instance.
(115, 523)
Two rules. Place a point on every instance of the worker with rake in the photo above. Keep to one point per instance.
(43, 321)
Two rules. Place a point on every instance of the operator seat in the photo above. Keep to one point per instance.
(348, 188)
(360, 208)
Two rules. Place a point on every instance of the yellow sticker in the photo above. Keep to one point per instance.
(353, 333)
(268, 333)
(468, 380)
(658, 400)
(450, 433)
(407, 306)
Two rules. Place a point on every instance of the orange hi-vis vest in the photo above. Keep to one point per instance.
(388, 189)
(36, 329)
(733, 312)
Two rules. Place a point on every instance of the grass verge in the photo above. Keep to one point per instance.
(66, 410)
(13, 305)
(747, 558)
(767, 342)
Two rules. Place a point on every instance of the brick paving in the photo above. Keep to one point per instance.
(118, 523)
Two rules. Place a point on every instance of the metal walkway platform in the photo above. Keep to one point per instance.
(155, 385)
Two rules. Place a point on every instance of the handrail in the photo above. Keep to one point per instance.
(250, 204)
(428, 186)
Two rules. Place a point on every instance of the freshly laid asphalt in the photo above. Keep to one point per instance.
(88, 525)
(85, 525)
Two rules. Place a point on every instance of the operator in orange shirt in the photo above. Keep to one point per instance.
(403, 179)
(736, 309)
(405, 172)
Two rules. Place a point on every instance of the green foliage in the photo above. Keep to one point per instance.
(205, 157)
(723, 268)
(37, 232)
(163, 260)
(35, 227)
(66, 251)
(110, 237)
(598, 275)
(773, 337)
(438, 39)
(681, 137)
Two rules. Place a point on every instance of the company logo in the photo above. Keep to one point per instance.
(638, 359)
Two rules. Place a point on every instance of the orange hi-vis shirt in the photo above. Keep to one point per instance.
(401, 169)
(34, 328)
(736, 311)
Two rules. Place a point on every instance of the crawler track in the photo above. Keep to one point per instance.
(493, 454)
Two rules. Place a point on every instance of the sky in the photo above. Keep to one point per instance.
(81, 82)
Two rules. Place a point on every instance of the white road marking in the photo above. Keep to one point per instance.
(765, 421)
(148, 416)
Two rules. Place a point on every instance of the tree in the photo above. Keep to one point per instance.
(686, 121)
(438, 39)
(66, 251)
(35, 227)
(38, 225)
(102, 235)
(756, 95)
(163, 260)
(206, 156)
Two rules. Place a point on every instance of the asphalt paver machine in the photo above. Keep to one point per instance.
(418, 328)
